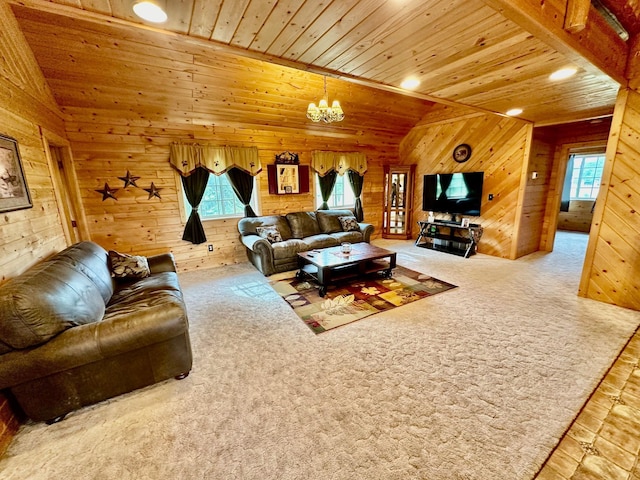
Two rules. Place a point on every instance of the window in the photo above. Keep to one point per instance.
(586, 175)
(342, 195)
(219, 200)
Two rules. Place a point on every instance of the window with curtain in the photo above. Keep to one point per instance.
(342, 195)
(586, 175)
(219, 200)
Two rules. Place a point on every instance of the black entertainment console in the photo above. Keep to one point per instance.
(449, 237)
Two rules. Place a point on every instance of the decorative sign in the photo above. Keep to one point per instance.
(287, 158)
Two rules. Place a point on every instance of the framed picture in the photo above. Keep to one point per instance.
(14, 194)
(287, 178)
(464, 223)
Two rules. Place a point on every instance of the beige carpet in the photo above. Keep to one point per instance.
(476, 384)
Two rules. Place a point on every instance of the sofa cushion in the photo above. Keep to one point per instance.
(271, 233)
(322, 240)
(288, 248)
(248, 225)
(349, 223)
(328, 220)
(47, 299)
(303, 224)
(128, 266)
(351, 237)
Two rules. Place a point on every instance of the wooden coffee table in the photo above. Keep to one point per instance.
(328, 265)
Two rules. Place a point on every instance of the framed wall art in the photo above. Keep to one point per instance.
(14, 193)
(288, 178)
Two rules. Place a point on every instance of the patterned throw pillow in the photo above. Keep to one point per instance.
(128, 266)
(349, 224)
(270, 232)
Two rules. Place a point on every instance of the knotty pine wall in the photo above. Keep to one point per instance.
(500, 148)
(26, 104)
(612, 262)
(105, 147)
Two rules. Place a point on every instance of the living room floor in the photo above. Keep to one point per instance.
(604, 440)
(477, 383)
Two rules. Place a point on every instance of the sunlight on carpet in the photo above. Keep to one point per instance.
(353, 300)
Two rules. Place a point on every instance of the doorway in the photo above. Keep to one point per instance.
(65, 187)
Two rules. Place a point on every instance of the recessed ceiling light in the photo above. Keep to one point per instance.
(150, 11)
(563, 73)
(514, 111)
(410, 83)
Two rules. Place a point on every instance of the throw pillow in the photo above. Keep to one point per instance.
(128, 266)
(270, 232)
(349, 224)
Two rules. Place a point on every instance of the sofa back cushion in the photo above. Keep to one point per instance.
(328, 220)
(248, 225)
(303, 224)
(52, 296)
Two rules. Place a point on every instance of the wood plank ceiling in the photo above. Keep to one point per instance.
(461, 50)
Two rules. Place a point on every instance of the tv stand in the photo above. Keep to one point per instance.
(449, 237)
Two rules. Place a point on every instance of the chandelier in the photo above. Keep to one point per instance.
(323, 111)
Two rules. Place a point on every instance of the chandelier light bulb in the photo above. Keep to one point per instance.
(323, 112)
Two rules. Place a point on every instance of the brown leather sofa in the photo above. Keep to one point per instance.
(299, 232)
(72, 335)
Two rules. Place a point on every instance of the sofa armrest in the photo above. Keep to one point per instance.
(260, 253)
(367, 230)
(162, 263)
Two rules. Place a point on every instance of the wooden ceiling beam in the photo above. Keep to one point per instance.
(597, 43)
(577, 15)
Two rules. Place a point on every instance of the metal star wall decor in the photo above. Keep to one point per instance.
(129, 179)
(153, 191)
(108, 192)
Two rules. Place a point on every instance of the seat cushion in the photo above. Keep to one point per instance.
(303, 224)
(328, 220)
(288, 248)
(321, 240)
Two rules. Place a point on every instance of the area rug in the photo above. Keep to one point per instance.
(353, 300)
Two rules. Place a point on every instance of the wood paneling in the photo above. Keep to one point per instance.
(578, 218)
(467, 51)
(26, 236)
(498, 145)
(119, 120)
(612, 263)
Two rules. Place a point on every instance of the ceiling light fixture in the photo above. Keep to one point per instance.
(323, 111)
(563, 73)
(410, 83)
(150, 10)
(514, 111)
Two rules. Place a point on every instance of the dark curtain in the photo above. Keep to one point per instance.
(242, 184)
(566, 189)
(326, 187)
(194, 187)
(356, 180)
(445, 181)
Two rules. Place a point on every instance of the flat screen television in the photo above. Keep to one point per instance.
(453, 193)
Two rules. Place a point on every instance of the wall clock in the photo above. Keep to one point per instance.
(462, 153)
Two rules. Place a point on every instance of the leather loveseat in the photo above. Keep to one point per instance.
(72, 335)
(297, 232)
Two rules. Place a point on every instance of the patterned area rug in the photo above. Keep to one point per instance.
(349, 301)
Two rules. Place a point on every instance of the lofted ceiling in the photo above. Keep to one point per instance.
(207, 62)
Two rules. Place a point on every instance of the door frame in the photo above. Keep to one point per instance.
(65, 187)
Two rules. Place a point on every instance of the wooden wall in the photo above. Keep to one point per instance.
(26, 104)
(578, 218)
(612, 262)
(500, 148)
(128, 92)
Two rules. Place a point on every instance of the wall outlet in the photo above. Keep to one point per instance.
(210, 248)
(490, 196)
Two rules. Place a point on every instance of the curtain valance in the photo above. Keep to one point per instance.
(340, 162)
(187, 157)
